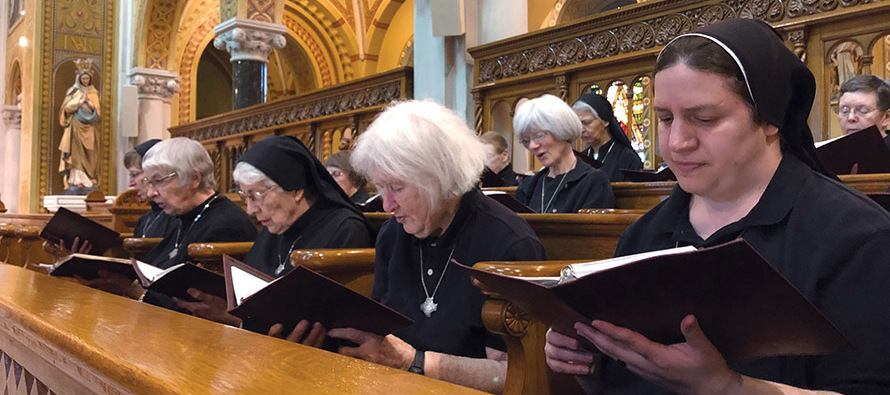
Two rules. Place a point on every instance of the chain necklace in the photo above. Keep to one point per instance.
(428, 307)
(192, 225)
(149, 223)
(281, 262)
(543, 186)
(595, 154)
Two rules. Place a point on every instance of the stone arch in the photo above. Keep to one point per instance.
(331, 33)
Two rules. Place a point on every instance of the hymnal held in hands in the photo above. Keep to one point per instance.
(865, 149)
(261, 301)
(88, 266)
(744, 306)
(65, 225)
(177, 279)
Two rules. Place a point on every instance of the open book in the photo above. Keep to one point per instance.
(744, 306)
(261, 301)
(865, 149)
(509, 201)
(65, 225)
(374, 204)
(663, 174)
(177, 279)
(87, 266)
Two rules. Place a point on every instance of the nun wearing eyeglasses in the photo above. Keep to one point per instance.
(178, 174)
(300, 206)
(548, 128)
(732, 103)
(605, 140)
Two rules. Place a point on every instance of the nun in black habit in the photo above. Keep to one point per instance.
(605, 140)
(732, 103)
(299, 205)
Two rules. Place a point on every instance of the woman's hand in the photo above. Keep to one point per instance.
(114, 283)
(566, 355)
(314, 338)
(208, 306)
(386, 350)
(691, 367)
(77, 246)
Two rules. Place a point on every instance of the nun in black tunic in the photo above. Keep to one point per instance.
(727, 92)
(300, 207)
(605, 140)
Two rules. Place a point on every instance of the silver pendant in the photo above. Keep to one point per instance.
(428, 307)
(174, 253)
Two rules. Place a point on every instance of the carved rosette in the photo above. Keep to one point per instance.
(247, 39)
(516, 320)
(601, 45)
(768, 10)
(155, 84)
(637, 37)
(672, 26)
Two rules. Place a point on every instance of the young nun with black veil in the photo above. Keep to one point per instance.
(299, 205)
(605, 140)
(732, 103)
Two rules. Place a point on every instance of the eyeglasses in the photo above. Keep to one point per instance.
(157, 183)
(537, 137)
(254, 196)
(860, 110)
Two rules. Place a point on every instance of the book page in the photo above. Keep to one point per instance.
(245, 283)
(152, 273)
(821, 143)
(577, 270)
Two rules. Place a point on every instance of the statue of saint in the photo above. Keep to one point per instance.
(79, 116)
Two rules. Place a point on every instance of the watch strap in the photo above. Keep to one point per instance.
(418, 363)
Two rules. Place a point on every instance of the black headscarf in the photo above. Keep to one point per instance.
(603, 110)
(141, 149)
(288, 162)
(780, 85)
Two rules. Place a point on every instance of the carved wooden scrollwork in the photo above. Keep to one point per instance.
(562, 87)
(798, 38)
(768, 10)
(672, 26)
(570, 52)
(637, 37)
(713, 14)
(541, 59)
(601, 45)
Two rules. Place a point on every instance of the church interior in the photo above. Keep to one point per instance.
(230, 73)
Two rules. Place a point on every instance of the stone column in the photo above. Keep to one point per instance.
(11, 145)
(249, 42)
(156, 87)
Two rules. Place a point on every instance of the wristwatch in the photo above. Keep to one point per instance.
(417, 365)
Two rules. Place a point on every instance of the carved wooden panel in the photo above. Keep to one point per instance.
(18, 380)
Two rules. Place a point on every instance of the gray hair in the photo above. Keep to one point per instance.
(246, 173)
(423, 144)
(581, 106)
(547, 113)
(184, 156)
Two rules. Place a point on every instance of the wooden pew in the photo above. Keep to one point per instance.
(126, 210)
(10, 251)
(352, 267)
(71, 339)
(867, 183)
(209, 255)
(31, 246)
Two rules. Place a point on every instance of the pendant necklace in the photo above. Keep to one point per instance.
(148, 224)
(281, 262)
(177, 240)
(607, 152)
(543, 185)
(428, 307)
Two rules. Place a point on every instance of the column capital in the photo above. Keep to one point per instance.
(155, 83)
(12, 116)
(247, 39)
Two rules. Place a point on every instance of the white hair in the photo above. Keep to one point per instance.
(184, 156)
(547, 113)
(581, 106)
(424, 144)
(245, 174)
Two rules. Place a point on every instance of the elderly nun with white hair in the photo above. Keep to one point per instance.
(300, 206)
(548, 127)
(426, 162)
(178, 174)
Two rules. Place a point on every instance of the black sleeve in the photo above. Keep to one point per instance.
(383, 252)
(598, 193)
(352, 233)
(525, 189)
